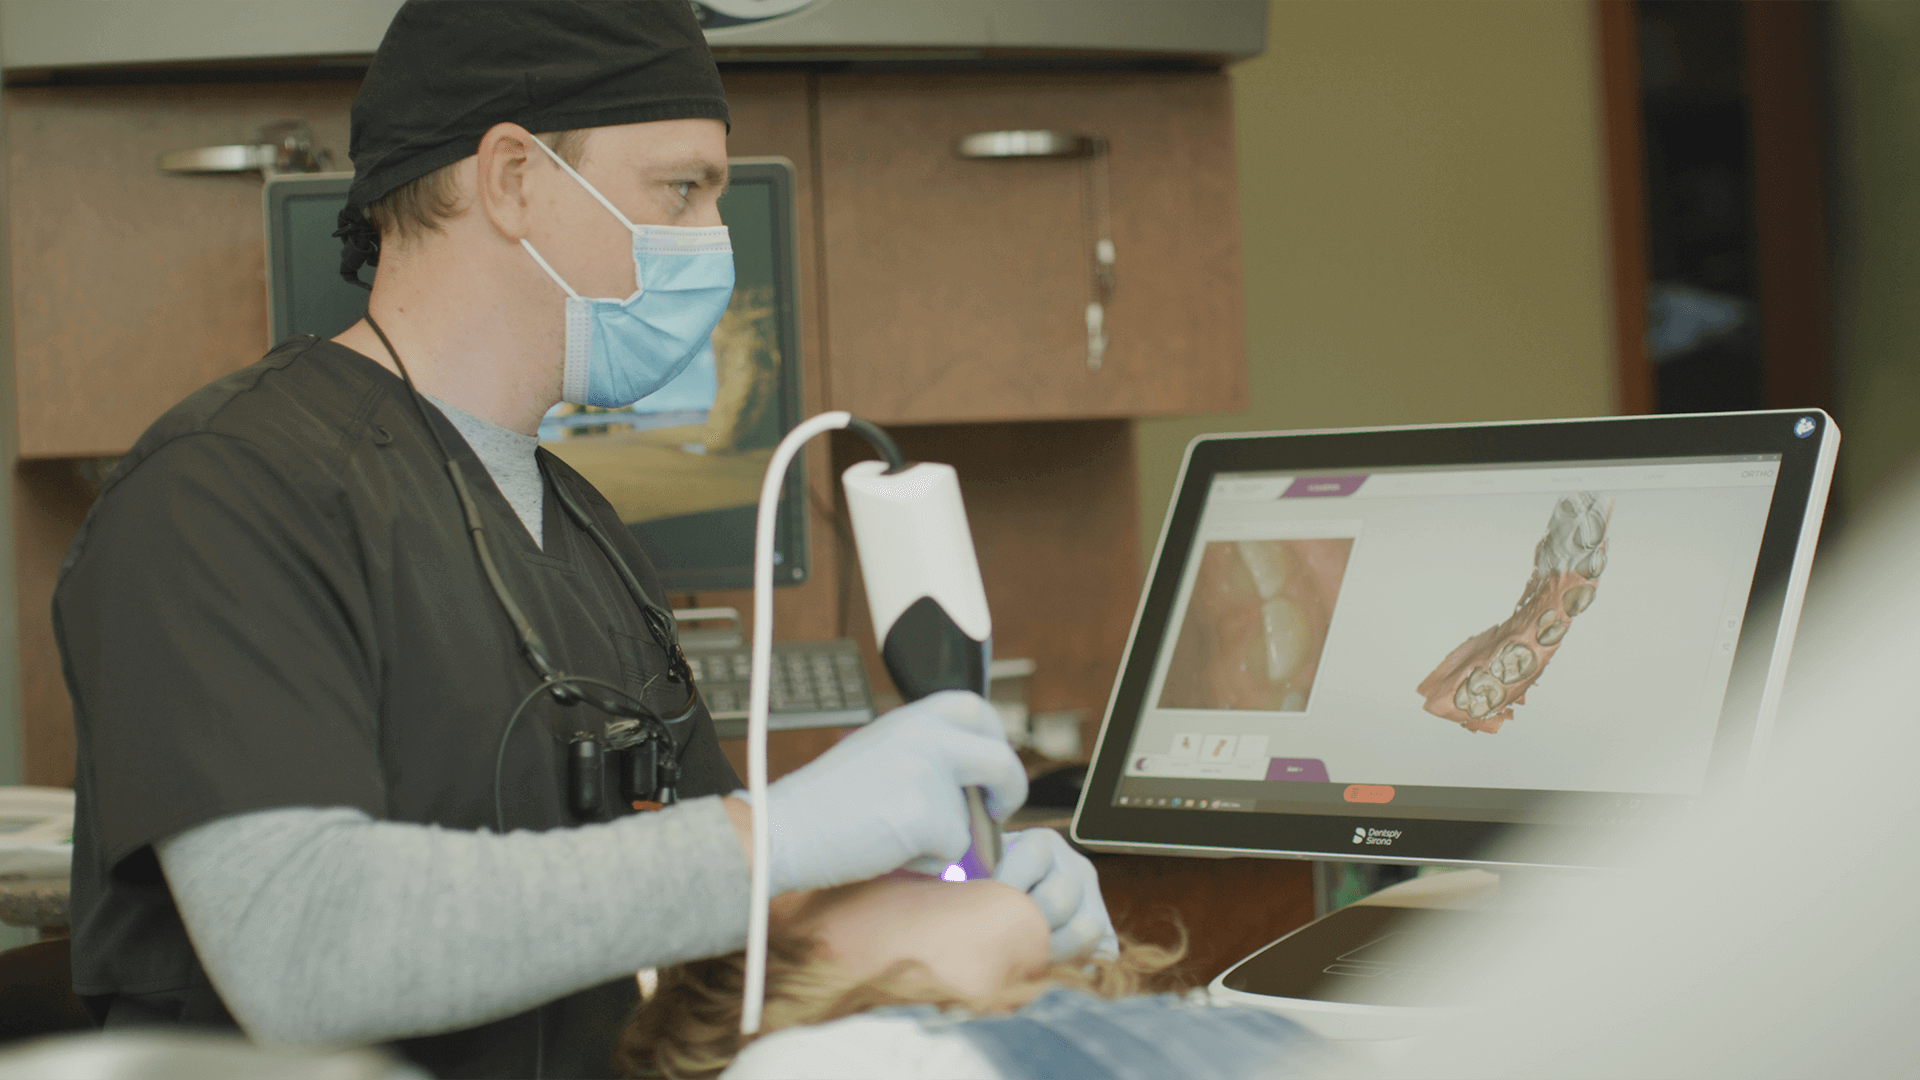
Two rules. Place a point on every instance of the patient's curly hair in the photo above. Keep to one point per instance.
(690, 1025)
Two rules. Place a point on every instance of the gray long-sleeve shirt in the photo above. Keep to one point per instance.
(322, 925)
(325, 926)
(509, 458)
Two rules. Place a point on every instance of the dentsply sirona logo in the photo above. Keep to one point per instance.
(1359, 836)
(1803, 427)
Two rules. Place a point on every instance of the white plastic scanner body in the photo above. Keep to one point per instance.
(911, 532)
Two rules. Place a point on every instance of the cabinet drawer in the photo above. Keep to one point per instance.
(957, 289)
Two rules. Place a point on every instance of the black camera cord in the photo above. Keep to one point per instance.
(565, 689)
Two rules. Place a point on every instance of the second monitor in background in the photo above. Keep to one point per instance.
(683, 466)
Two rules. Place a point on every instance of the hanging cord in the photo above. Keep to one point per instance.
(566, 689)
(1097, 216)
(531, 646)
(760, 686)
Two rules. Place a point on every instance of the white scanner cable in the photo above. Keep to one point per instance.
(759, 687)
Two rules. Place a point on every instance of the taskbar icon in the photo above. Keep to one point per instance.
(1181, 803)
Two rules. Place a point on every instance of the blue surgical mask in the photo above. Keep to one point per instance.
(619, 351)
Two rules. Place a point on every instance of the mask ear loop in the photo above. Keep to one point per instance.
(638, 286)
(557, 279)
(591, 190)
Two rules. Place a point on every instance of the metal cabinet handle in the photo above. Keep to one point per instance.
(284, 147)
(724, 635)
(1095, 208)
(1016, 144)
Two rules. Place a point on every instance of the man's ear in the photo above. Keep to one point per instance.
(505, 158)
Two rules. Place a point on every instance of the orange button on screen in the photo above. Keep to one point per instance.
(1369, 793)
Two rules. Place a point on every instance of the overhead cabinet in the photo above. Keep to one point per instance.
(134, 287)
(957, 287)
(947, 288)
(934, 288)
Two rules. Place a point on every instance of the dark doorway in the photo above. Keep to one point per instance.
(1716, 144)
(1703, 287)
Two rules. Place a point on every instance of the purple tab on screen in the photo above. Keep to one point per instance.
(1297, 768)
(1308, 487)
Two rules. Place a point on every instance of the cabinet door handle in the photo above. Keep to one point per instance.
(1095, 208)
(285, 147)
(1019, 144)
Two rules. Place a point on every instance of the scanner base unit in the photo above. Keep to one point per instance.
(1346, 976)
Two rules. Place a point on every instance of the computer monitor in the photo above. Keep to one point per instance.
(305, 293)
(685, 477)
(1413, 644)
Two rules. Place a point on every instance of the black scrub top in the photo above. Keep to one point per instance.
(274, 602)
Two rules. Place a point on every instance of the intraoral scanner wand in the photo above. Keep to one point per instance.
(924, 590)
(929, 615)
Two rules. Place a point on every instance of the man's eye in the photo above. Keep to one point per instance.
(682, 188)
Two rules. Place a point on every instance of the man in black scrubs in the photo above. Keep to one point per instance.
(323, 790)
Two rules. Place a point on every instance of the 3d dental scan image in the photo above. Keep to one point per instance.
(1340, 626)
(1256, 625)
(1479, 683)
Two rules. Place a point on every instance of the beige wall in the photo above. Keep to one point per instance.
(1875, 83)
(1422, 212)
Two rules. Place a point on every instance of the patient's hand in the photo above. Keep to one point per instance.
(975, 937)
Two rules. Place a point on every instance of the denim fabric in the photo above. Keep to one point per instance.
(1067, 1035)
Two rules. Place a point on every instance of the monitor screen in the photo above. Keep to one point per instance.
(682, 466)
(305, 292)
(1393, 659)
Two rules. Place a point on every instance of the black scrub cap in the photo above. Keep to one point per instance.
(448, 70)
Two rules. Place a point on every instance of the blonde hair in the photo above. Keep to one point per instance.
(690, 1025)
(418, 206)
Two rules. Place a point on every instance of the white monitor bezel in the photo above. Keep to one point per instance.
(1760, 664)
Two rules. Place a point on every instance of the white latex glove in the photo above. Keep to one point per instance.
(1063, 885)
(890, 794)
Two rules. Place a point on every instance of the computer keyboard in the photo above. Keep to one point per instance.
(815, 683)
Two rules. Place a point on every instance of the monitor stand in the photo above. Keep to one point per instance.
(1340, 976)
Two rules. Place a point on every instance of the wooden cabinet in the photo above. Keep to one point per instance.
(957, 289)
(944, 289)
(1226, 907)
(932, 290)
(132, 287)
